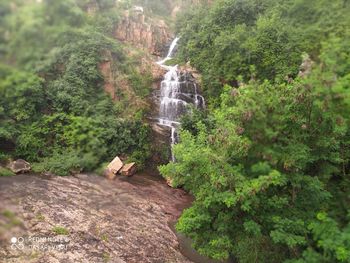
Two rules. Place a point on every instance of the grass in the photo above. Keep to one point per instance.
(8, 214)
(6, 172)
(60, 230)
(104, 237)
(106, 257)
(11, 216)
(40, 217)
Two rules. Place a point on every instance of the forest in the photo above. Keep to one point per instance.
(268, 159)
(53, 110)
(268, 162)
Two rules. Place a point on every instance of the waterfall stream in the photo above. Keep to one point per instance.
(178, 91)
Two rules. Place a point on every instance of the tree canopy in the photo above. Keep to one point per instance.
(268, 163)
(53, 108)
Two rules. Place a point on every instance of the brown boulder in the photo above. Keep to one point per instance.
(113, 168)
(115, 165)
(128, 169)
(19, 166)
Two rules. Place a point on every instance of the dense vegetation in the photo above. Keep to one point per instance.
(257, 39)
(53, 109)
(268, 163)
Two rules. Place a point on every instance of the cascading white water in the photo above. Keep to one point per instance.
(170, 53)
(178, 90)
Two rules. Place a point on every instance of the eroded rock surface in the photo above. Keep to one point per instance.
(142, 32)
(125, 220)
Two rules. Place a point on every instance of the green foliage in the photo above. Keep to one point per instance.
(272, 156)
(59, 230)
(332, 242)
(235, 40)
(53, 109)
(60, 163)
(5, 172)
(141, 83)
(22, 96)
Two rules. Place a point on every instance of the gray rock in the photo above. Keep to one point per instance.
(124, 220)
(19, 166)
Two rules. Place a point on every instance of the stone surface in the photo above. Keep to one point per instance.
(19, 166)
(115, 165)
(109, 174)
(125, 220)
(128, 169)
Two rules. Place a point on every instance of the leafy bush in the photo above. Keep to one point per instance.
(60, 163)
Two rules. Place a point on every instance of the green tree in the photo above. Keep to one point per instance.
(273, 157)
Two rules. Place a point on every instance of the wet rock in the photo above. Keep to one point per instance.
(188, 87)
(19, 166)
(128, 169)
(187, 97)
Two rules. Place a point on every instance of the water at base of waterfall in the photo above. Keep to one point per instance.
(178, 92)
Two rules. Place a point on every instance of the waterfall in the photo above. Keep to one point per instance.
(170, 53)
(178, 91)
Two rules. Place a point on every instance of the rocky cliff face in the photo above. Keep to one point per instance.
(149, 34)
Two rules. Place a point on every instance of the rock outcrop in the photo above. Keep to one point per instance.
(146, 33)
(125, 220)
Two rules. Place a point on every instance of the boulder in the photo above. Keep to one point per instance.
(113, 168)
(115, 165)
(128, 169)
(19, 166)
